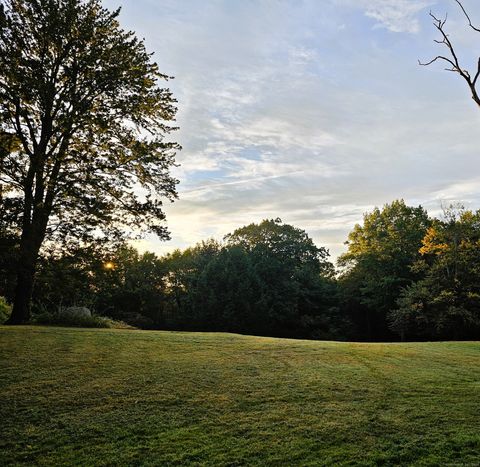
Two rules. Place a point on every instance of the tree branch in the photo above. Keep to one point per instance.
(453, 60)
(468, 17)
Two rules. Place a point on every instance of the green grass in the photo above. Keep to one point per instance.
(115, 397)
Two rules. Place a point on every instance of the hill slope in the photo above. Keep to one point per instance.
(79, 397)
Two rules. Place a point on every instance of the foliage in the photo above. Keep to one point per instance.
(378, 264)
(5, 310)
(229, 292)
(288, 244)
(404, 277)
(131, 289)
(70, 320)
(294, 277)
(445, 304)
(267, 279)
(79, 97)
(77, 268)
(162, 398)
(184, 269)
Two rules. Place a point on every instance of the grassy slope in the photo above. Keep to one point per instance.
(78, 397)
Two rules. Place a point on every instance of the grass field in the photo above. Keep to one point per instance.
(114, 397)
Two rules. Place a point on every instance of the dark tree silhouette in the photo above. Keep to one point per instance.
(471, 78)
(80, 98)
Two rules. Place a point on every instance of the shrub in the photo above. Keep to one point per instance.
(5, 310)
(115, 324)
(137, 320)
(57, 319)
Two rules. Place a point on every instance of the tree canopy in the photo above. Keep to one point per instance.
(377, 264)
(445, 302)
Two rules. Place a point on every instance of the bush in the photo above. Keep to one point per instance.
(5, 310)
(57, 319)
(137, 320)
(114, 324)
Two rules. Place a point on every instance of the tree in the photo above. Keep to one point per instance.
(184, 269)
(8, 263)
(453, 61)
(297, 295)
(79, 268)
(113, 281)
(287, 243)
(266, 279)
(81, 97)
(9, 232)
(445, 303)
(378, 264)
(132, 289)
(229, 293)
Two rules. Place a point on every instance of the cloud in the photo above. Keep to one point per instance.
(249, 181)
(301, 55)
(394, 15)
(465, 191)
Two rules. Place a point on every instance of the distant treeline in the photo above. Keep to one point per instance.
(405, 276)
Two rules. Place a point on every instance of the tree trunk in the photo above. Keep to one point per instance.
(32, 239)
(23, 296)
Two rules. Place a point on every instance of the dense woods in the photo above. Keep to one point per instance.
(404, 276)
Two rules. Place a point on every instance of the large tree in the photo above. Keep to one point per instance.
(296, 295)
(266, 279)
(86, 123)
(378, 265)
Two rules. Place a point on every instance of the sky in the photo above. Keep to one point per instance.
(314, 111)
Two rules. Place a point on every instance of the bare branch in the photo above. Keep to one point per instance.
(454, 61)
(477, 74)
(439, 57)
(468, 17)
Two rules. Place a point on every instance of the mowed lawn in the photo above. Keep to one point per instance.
(118, 397)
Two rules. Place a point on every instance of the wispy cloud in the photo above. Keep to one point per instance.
(394, 15)
(397, 15)
(248, 181)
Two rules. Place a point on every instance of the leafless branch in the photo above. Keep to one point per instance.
(439, 57)
(468, 17)
(454, 61)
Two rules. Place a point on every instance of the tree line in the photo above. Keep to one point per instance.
(404, 276)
